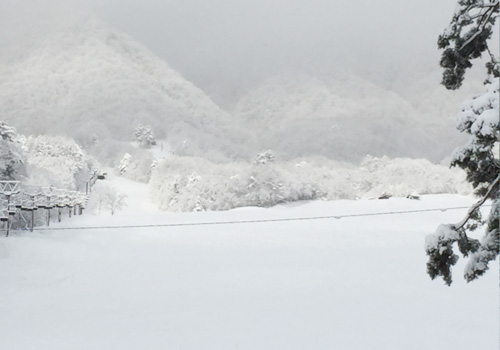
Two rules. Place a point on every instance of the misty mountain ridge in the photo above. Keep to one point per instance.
(92, 82)
(346, 117)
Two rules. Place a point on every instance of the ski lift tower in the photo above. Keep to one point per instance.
(9, 189)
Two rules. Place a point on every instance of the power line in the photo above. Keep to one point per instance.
(237, 222)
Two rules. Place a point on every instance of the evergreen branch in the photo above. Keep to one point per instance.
(492, 8)
(492, 4)
(476, 206)
(492, 58)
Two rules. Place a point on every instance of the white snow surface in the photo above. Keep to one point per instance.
(353, 283)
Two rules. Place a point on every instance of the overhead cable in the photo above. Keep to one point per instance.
(257, 221)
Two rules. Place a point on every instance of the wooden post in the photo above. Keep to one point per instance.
(8, 216)
(8, 227)
(59, 215)
(32, 213)
(48, 211)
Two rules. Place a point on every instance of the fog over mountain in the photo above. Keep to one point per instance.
(92, 82)
(227, 47)
(337, 79)
(346, 117)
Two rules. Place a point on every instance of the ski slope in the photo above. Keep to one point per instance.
(353, 283)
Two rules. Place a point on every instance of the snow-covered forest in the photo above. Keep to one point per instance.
(281, 174)
(333, 136)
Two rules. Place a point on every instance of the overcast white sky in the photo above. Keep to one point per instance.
(237, 40)
(235, 43)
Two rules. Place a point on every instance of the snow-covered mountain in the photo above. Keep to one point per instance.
(92, 82)
(347, 117)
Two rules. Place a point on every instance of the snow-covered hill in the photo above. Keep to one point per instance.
(345, 117)
(90, 81)
(94, 83)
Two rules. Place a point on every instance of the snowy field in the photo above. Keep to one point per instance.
(353, 283)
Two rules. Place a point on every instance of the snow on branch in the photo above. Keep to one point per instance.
(486, 11)
(466, 38)
(477, 205)
(439, 246)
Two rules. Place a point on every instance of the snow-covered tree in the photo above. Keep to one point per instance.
(7, 132)
(122, 167)
(58, 161)
(264, 157)
(152, 167)
(136, 166)
(145, 136)
(179, 182)
(106, 197)
(12, 166)
(465, 39)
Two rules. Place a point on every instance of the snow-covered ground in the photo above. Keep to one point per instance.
(353, 283)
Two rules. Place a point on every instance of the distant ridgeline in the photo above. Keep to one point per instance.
(96, 85)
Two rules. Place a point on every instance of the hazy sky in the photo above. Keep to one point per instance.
(228, 44)
(238, 42)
